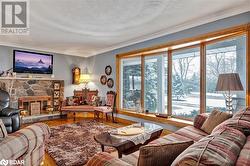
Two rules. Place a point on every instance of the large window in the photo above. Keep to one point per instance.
(193, 70)
(131, 83)
(155, 89)
(227, 56)
(186, 82)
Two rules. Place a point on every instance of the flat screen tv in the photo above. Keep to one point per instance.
(32, 62)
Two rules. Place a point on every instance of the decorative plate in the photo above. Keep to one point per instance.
(110, 83)
(108, 70)
(103, 79)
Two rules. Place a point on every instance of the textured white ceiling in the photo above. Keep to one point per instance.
(89, 27)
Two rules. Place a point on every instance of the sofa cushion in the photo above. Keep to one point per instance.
(3, 131)
(199, 120)
(240, 121)
(192, 133)
(188, 133)
(244, 157)
(215, 118)
(105, 159)
(131, 159)
(156, 154)
(220, 148)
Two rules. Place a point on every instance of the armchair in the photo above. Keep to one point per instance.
(9, 116)
(109, 108)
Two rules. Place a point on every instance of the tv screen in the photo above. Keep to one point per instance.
(32, 62)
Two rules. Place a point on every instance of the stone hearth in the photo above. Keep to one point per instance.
(22, 88)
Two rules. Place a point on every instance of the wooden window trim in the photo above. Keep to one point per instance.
(229, 33)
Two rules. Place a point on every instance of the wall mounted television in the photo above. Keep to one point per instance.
(32, 62)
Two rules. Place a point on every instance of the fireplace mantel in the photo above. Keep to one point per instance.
(33, 78)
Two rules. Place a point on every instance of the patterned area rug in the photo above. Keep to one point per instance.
(73, 144)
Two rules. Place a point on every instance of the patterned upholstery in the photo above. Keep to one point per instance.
(219, 148)
(199, 120)
(104, 109)
(240, 121)
(110, 105)
(105, 159)
(3, 131)
(157, 154)
(244, 157)
(110, 100)
(26, 144)
(228, 144)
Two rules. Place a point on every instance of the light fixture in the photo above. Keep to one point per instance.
(85, 77)
(228, 83)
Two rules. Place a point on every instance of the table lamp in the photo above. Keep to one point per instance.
(228, 83)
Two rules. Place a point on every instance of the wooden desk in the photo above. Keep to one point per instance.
(78, 108)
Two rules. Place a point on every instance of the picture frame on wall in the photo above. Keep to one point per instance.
(56, 86)
(56, 102)
(103, 80)
(56, 94)
(108, 70)
(76, 73)
(110, 83)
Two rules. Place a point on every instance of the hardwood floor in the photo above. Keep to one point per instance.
(48, 161)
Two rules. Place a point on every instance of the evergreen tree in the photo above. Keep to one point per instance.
(178, 90)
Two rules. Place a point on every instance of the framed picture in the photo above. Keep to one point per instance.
(103, 80)
(56, 86)
(56, 94)
(110, 83)
(56, 102)
(76, 73)
(108, 70)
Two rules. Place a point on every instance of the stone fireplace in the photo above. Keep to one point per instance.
(34, 96)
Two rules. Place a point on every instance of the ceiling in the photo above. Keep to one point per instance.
(90, 27)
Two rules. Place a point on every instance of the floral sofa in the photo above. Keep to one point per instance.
(25, 146)
(228, 144)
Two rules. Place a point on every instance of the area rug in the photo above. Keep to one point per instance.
(73, 144)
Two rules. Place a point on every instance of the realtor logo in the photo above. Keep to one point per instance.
(14, 17)
(4, 162)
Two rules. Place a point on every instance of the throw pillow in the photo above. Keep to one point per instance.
(216, 117)
(161, 154)
(3, 131)
(240, 121)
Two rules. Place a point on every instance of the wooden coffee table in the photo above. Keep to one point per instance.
(126, 146)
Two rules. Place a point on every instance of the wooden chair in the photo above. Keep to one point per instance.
(109, 107)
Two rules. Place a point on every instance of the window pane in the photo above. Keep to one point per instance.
(186, 83)
(228, 56)
(155, 83)
(131, 83)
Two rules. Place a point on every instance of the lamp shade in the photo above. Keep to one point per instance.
(229, 82)
(84, 78)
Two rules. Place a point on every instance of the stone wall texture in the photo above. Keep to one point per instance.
(21, 88)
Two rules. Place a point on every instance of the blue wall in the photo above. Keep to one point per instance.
(96, 64)
(61, 68)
